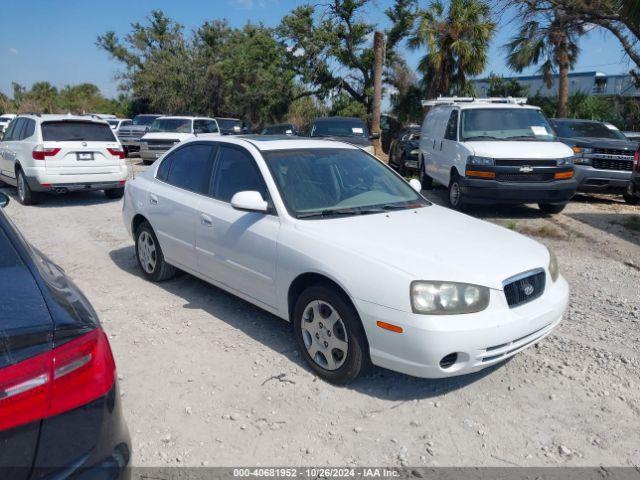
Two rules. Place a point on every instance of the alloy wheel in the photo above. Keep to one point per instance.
(324, 335)
(147, 252)
(454, 193)
(21, 188)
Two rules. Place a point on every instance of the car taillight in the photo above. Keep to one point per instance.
(39, 152)
(636, 161)
(116, 152)
(57, 381)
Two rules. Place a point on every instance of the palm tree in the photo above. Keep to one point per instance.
(549, 36)
(456, 42)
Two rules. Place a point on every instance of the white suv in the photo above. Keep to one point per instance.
(61, 153)
(495, 151)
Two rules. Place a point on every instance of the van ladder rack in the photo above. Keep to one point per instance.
(455, 100)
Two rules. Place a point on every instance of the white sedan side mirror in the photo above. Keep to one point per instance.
(416, 185)
(249, 201)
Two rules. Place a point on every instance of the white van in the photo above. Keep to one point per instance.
(495, 151)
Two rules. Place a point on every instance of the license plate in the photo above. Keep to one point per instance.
(85, 156)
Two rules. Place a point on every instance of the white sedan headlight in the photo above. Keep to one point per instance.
(554, 272)
(445, 298)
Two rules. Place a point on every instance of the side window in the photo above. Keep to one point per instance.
(205, 126)
(165, 166)
(451, 133)
(14, 134)
(29, 129)
(190, 168)
(8, 133)
(237, 172)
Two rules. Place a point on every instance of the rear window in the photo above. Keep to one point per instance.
(66, 131)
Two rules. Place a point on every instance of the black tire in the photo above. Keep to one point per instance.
(551, 208)
(455, 196)
(630, 198)
(425, 180)
(356, 361)
(161, 269)
(26, 196)
(147, 162)
(114, 192)
(402, 170)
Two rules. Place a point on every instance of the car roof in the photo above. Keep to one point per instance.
(275, 142)
(52, 117)
(183, 117)
(331, 119)
(575, 120)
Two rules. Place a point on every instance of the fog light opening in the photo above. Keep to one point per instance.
(448, 360)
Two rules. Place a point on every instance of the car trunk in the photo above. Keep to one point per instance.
(79, 148)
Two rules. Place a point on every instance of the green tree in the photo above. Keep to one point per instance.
(548, 37)
(501, 87)
(456, 40)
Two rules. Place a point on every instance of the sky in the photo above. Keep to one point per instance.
(54, 41)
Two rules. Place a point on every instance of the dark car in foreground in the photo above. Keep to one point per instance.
(603, 155)
(347, 129)
(60, 414)
(632, 193)
(404, 150)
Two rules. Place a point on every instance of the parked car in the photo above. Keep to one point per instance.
(60, 412)
(130, 135)
(390, 127)
(632, 193)
(632, 136)
(117, 123)
(348, 129)
(308, 230)
(280, 129)
(233, 126)
(5, 119)
(61, 153)
(405, 149)
(165, 132)
(495, 151)
(603, 155)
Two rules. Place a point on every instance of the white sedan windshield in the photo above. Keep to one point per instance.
(328, 182)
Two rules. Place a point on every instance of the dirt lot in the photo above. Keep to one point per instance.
(208, 379)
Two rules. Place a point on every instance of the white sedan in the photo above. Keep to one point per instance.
(324, 235)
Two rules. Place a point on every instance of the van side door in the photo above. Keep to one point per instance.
(450, 153)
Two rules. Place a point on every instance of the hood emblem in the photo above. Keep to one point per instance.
(527, 289)
(526, 169)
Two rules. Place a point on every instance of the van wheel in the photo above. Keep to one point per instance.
(114, 192)
(631, 199)
(26, 196)
(329, 335)
(149, 255)
(551, 207)
(456, 197)
(425, 180)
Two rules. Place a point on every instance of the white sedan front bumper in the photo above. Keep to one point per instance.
(479, 339)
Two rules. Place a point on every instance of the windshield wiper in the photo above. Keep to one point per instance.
(524, 137)
(330, 212)
(481, 137)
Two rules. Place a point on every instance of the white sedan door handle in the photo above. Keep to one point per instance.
(153, 200)
(206, 220)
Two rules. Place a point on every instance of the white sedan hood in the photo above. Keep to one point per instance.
(523, 150)
(433, 243)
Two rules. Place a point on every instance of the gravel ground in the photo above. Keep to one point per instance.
(208, 379)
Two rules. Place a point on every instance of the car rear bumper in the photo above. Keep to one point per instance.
(41, 180)
(479, 340)
(492, 191)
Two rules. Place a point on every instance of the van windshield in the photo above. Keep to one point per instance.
(491, 124)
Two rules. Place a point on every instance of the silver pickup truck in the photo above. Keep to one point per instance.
(130, 135)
